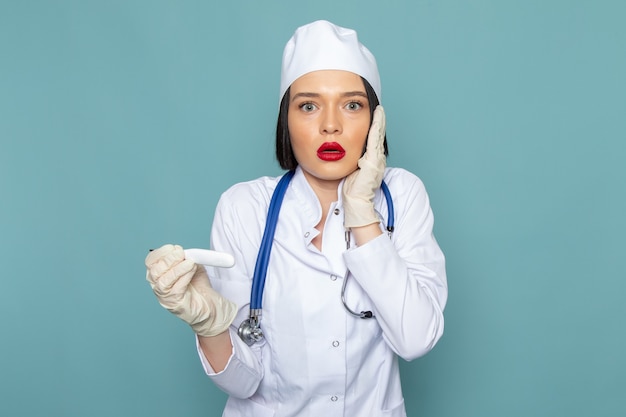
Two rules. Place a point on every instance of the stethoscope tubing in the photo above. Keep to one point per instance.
(249, 330)
(263, 258)
(391, 216)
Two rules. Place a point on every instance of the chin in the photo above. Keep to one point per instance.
(330, 175)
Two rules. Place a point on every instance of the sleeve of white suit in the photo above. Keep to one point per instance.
(405, 276)
(243, 372)
(240, 378)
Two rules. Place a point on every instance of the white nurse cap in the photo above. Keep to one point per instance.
(322, 45)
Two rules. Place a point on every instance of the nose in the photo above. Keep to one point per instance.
(330, 123)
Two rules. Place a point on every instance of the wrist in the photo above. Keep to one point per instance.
(216, 349)
(359, 214)
(210, 340)
(364, 234)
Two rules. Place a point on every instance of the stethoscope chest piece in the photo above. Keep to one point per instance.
(250, 332)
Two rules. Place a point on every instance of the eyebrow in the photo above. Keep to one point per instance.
(314, 95)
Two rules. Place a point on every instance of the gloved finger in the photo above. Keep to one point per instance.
(210, 257)
(376, 135)
(370, 166)
(176, 280)
(155, 254)
(163, 259)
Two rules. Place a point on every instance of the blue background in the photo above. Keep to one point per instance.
(121, 122)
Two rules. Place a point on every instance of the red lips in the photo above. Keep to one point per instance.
(330, 151)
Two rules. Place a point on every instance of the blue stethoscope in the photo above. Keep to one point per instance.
(250, 329)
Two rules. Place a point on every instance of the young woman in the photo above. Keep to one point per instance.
(344, 297)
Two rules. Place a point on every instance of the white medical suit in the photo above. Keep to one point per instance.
(316, 359)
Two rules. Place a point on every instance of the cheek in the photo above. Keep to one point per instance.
(298, 142)
(301, 133)
(295, 129)
(362, 134)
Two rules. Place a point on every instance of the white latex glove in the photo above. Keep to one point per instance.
(360, 186)
(183, 288)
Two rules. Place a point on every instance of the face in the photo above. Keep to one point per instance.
(328, 122)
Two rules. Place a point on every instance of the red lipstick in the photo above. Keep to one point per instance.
(330, 151)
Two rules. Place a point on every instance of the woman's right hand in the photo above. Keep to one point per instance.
(183, 288)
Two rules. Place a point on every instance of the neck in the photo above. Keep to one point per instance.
(325, 190)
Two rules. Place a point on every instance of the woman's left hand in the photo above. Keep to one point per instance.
(360, 186)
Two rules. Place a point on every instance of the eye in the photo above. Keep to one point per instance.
(307, 107)
(354, 105)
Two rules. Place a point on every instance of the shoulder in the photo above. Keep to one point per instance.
(402, 180)
(255, 193)
(245, 203)
(407, 191)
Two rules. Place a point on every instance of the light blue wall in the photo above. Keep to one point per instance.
(122, 121)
